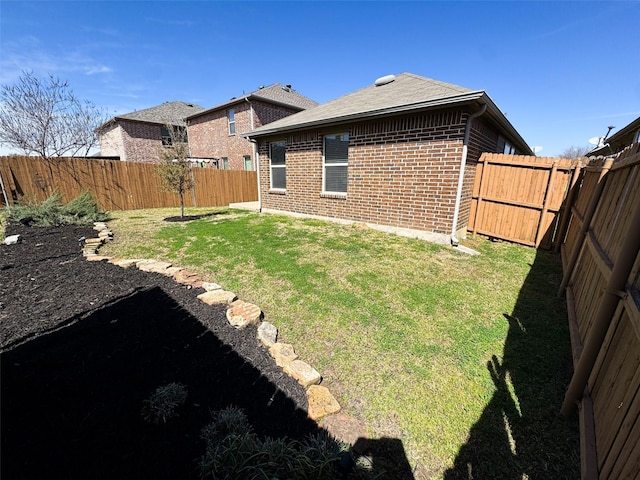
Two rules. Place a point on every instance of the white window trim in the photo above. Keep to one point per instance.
(272, 166)
(324, 169)
(231, 122)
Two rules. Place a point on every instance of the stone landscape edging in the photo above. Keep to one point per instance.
(322, 408)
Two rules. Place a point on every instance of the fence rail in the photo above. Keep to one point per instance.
(520, 198)
(119, 185)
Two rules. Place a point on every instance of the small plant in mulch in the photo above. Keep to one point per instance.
(163, 404)
(234, 451)
(82, 210)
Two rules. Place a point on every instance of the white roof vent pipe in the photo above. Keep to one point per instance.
(384, 80)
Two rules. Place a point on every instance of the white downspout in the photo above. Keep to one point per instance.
(255, 155)
(463, 162)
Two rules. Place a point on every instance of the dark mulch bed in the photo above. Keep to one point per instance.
(83, 344)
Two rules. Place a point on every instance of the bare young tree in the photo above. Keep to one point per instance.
(575, 152)
(174, 168)
(43, 117)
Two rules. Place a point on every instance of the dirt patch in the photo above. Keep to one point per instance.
(83, 344)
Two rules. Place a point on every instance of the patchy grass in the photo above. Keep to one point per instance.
(450, 353)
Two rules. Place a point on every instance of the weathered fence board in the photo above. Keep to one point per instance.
(120, 185)
(519, 198)
(601, 245)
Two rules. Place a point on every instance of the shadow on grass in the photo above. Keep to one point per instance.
(521, 433)
(189, 218)
(72, 400)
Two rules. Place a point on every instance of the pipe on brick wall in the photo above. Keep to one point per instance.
(256, 155)
(463, 162)
(254, 143)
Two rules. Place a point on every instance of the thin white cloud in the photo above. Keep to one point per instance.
(98, 69)
(28, 54)
(171, 22)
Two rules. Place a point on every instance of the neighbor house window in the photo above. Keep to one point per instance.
(335, 162)
(278, 167)
(165, 136)
(231, 118)
(247, 162)
(225, 163)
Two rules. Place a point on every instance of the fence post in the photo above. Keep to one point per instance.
(568, 205)
(545, 202)
(193, 185)
(591, 209)
(610, 298)
(4, 192)
(483, 162)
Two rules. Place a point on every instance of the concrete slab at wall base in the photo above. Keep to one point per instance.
(438, 238)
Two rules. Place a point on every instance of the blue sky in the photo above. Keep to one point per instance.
(561, 71)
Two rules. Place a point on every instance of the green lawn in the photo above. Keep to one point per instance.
(464, 358)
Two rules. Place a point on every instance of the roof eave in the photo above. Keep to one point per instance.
(506, 125)
(478, 96)
(381, 113)
(244, 98)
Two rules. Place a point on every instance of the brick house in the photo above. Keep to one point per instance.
(399, 155)
(215, 132)
(138, 136)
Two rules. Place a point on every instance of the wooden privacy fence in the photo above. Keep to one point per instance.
(601, 263)
(520, 198)
(120, 185)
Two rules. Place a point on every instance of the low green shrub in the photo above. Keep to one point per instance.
(82, 210)
(163, 404)
(234, 451)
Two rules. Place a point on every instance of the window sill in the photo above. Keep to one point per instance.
(336, 195)
(277, 191)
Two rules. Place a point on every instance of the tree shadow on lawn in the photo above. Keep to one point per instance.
(189, 218)
(72, 399)
(521, 433)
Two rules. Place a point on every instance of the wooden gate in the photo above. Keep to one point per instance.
(520, 198)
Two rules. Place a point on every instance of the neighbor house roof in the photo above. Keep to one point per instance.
(619, 140)
(173, 113)
(277, 94)
(405, 93)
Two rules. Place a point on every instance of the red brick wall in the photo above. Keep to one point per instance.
(403, 172)
(483, 138)
(209, 133)
(141, 141)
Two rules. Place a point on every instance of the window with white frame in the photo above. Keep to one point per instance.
(335, 163)
(278, 166)
(247, 162)
(231, 119)
(225, 163)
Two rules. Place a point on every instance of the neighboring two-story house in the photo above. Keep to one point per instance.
(215, 133)
(139, 136)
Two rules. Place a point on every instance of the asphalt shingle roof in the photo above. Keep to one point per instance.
(169, 112)
(276, 93)
(405, 92)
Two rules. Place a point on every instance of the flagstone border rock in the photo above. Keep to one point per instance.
(323, 408)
